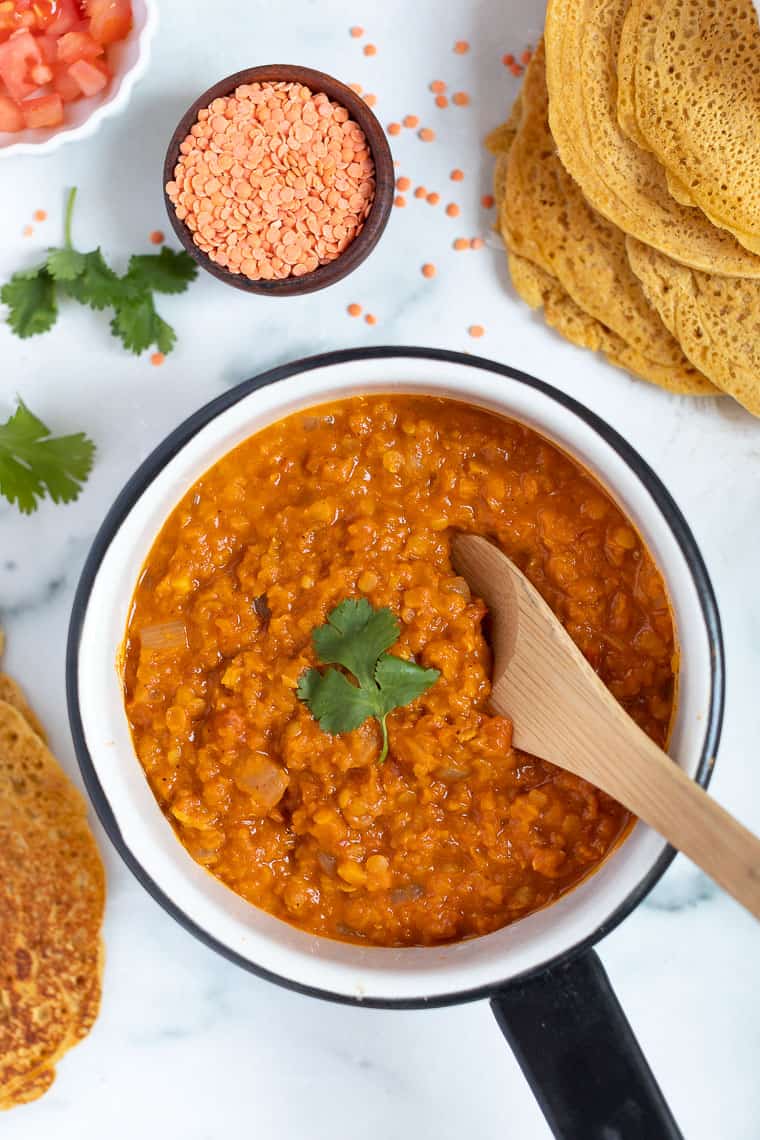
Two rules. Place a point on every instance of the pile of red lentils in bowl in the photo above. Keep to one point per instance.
(273, 180)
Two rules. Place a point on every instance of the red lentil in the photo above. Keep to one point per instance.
(457, 175)
(457, 834)
(476, 243)
(371, 319)
(411, 121)
(476, 330)
(354, 310)
(428, 270)
(426, 134)
(356, 32)
(157, 359)
(420, 192)
(487, 201)
(441, 101)
(273, 180)
(438, 86)
(452, 210)
(461, 47)
(403, 183)
(433, 199)
(370, 49)
(40, 215)
(460, 99)
(399, 201)
(461, 243)
(394, 128)
(156, 237)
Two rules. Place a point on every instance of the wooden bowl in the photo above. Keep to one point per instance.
(376, 220)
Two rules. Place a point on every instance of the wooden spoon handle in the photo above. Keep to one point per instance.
(662, 795)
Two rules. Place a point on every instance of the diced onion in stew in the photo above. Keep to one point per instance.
(164, 637)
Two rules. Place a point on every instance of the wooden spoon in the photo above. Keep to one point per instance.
(563, 712)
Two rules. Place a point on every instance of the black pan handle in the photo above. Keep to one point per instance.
(580, 1057)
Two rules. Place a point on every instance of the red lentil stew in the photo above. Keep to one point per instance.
(457, 833)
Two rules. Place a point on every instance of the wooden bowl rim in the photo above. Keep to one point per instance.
(377, 219)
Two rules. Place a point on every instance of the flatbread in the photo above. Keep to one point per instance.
(689, 91)
(52, 894)
(624, 183)
(716, 319)
(540, 290)
(545, 218)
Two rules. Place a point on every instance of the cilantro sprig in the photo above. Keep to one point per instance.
(34, 463)
(357, 637)
(32, 295)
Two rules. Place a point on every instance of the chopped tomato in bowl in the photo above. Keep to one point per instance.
(65, 64)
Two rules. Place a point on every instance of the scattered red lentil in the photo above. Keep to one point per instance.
(157, 359)
(476, 330)
(477, 243)
(399, 200)
(40, 215)
(157, 237)
(411, 121)
(370, 49)
(526, 57)
(356, 32)
(354, 310)
(403, 183)
(28, 231)
(394, 128)
(420, 192)
(433, 199)
(438, 87)
(487, 201)
(371, 319)
(461, 243)
(461, 47)
(357, 87)
(516, 69)
(508, 60)
(457, 175)
(370, 100)
(426, 134)
(460, 98)
(441, 101)
(452, 210)
(428, 270)
(273, 180)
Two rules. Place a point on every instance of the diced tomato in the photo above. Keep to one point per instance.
(48, 49)
(110, 20)
(89, 76)
(18, 56)
(66, 16)
(44, 111)
(78, 45)
(67, 88)
(11, 118)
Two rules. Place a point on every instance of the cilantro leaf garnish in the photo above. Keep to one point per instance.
(138, 325)
(164, 272)
(32, 295)
(357, 637)
(34, 463)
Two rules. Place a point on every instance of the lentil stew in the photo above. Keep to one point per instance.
(457, 834)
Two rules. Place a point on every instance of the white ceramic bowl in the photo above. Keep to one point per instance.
(116, 780)
(129, 59)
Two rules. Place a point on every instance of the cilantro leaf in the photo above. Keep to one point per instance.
(400, 682)
(138, 325)
(164, 272)
(95, 284)
(338, 705)
(30, 296)
(357, 636)
(33, 463)
(65, 264)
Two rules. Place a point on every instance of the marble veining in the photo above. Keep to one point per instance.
(187, 1044)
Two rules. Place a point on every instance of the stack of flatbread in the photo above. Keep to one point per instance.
(52, 893)
(628, 184)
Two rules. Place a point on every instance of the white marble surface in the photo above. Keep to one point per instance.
(187, 1045)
